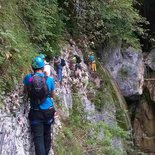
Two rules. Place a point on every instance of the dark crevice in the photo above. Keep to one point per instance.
(147, 10)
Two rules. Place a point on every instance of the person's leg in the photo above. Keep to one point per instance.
(38, 133)
(47, 137)
(92, 67)
(80, 67)
(60, 75)
(49, 119)
(95, 67)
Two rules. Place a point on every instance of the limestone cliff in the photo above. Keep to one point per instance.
(15, 133)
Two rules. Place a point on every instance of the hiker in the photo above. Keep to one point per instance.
(40, 89)
(47, 67)
(92, 63)
(58, 66)
(85, 80)
(77, 61)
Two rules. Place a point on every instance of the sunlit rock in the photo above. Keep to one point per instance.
(126, 67)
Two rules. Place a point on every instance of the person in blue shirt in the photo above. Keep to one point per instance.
(41, 116)
(92, 63)
(58, 68)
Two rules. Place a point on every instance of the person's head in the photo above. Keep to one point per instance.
(41, 56)
(38, 64)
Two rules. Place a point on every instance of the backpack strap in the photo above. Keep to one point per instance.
(46, 77)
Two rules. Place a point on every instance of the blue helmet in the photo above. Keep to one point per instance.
(41, 56)
(37, 63)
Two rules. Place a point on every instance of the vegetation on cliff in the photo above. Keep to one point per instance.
(104, 21)
(80, 136)
(26, 28)
(31, 26)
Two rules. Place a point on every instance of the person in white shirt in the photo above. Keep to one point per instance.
(47, 67)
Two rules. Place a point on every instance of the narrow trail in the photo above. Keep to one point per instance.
(15, 135)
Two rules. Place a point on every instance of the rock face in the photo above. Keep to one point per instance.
(126, 67)
(84, 91)
(15, 134)
(150, 60)
(150, 84)
(143, 119)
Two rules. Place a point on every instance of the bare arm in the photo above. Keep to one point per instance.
(45, 72)
(53, 94)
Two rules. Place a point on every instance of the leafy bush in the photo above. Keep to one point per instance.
(80, 137)
(26, 26)
(104, 21)
(16, 51)
(45, 24)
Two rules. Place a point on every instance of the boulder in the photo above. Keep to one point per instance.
(126, 67)
(150, 60)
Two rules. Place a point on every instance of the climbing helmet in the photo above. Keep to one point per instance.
(41, 56)
(37, 63)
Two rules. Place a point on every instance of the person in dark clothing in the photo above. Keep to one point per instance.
(42, 110)
(78, 61)
(58, 68)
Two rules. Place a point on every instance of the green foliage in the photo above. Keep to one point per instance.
(98, 101)
(105, 21)
(16, 50)
(106, 95)
(45, 24)
(80, 137)
(26, 24)
(103, 95)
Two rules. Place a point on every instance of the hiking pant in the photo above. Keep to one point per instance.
(60, 75)
(40, 121)
(93, 66)
(78, 66)
(90, 65)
